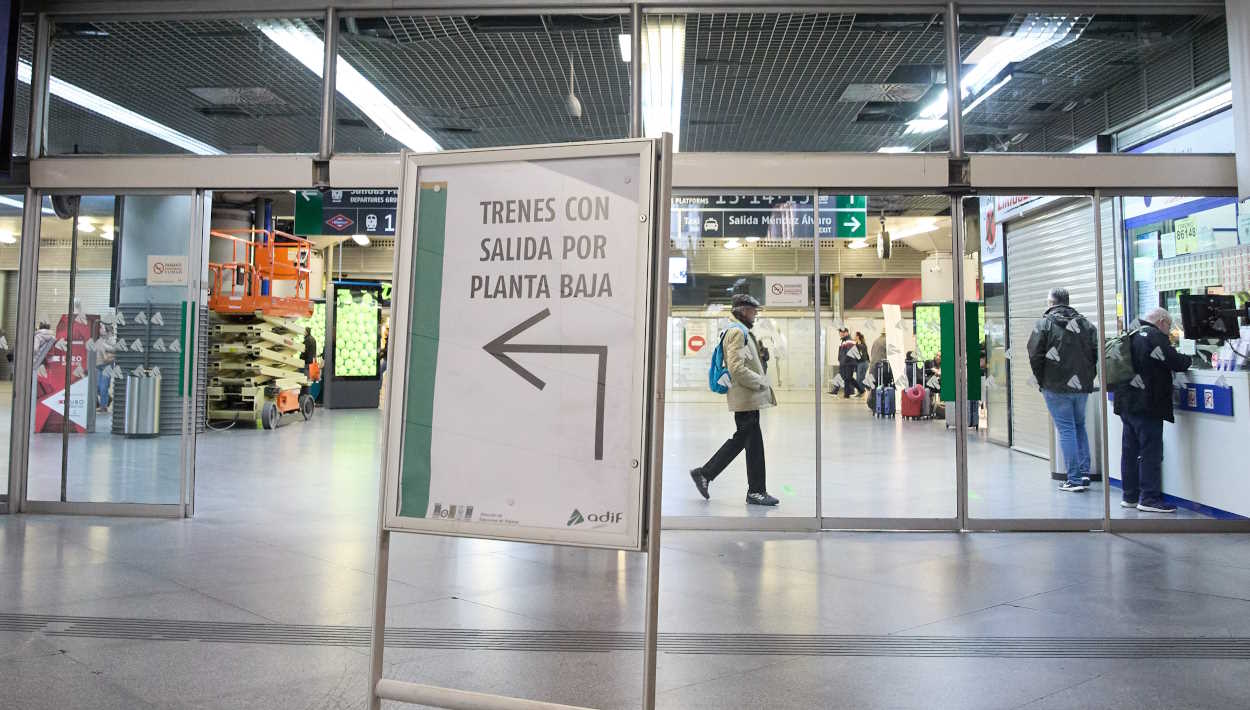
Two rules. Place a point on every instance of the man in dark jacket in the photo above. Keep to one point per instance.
(1143, 405)
(848, 363)
(1063, 353)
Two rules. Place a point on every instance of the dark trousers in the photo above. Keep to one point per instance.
(748, 436)
(1141, 458)
(848, 380)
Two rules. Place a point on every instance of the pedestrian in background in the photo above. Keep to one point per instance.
(1143, 404)
(1063, 354)
(749, 392)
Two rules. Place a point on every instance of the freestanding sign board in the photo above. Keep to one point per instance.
(528, 333)
(523, 288)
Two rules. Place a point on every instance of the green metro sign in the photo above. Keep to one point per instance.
(850, 216)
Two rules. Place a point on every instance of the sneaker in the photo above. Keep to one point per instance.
(1159, 507)
(1074, 487)
(761, 499)
(700, 482)
(1085, 480)
(1128, 504)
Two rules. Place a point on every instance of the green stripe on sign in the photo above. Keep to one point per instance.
(427, 297)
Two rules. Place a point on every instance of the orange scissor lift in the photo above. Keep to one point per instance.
(255, 364)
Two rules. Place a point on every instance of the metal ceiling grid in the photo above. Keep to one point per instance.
(1066, 95)
(21, 93)
(1197, 53)
(772, 82)
(471, 87)
(150, 67)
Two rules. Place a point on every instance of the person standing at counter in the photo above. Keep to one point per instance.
(1143, 404)
(1063, 353)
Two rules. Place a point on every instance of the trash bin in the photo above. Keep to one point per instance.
(143, 403)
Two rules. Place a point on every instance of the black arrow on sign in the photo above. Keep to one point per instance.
(500, 347)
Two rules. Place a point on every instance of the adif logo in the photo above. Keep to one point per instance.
(1138, 382)
(1074, 327)
(1157, 354)
(605, 518)
(1053, 354)
(1074, 383)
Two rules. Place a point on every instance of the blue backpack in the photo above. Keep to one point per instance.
(717, 374)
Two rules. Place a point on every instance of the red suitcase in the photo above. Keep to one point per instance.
(913, 402)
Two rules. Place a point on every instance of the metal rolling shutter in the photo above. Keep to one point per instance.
(1052, 248)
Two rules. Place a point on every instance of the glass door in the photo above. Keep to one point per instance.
(887, 450)
(729, 250)
(111, 345)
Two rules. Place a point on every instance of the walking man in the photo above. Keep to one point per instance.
(749, 392)
(1063, 353)
(1143, 404)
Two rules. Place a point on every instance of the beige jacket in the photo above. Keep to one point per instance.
(748, 389)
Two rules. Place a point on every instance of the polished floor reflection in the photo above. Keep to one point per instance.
(834, 620)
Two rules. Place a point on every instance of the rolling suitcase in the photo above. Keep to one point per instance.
(914, 398)
(885, 402)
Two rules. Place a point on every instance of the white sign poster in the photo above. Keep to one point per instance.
(167, 270)
(991, 231)
(785, 291)
(896, 333)
(525, 348)
(697, 335)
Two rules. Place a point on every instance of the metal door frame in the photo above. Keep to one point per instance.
(993, 174)
(23, 399)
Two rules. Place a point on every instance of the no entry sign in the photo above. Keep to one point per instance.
(524, 285)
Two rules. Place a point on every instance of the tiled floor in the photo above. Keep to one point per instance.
(291, 542)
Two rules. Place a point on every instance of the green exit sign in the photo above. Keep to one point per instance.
(850, 215)
(850, 202)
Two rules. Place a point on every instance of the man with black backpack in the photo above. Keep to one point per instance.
(749, 392)
(1143, 404)
(1063, 353)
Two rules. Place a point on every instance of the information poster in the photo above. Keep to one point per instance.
(527, 337)
(50, 378)
(1186, 236)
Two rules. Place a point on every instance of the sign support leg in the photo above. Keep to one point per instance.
(659, 326)
(377, 640)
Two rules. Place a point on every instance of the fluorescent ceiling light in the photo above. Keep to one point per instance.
(301, 43)
(361, 239)
(663, 62)
(627, 46)
(752, 240)
(922, 227)
(10, 202)
(929, 125)
(106, 234)
(858, 244)
(990, 58)
(115, 112)
(732, 244)
(895, 149)
(980, 99)
(6, 237)
(85, 226)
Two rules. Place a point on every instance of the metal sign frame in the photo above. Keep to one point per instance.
(649, 250)
(655, 187)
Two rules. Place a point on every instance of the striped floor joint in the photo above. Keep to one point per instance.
(605, 641)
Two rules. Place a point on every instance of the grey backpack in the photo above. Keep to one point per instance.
(1118, 356)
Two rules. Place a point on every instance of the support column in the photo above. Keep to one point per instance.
(635, 71)
(325, 148)
(1237, 20)
(37, 133)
